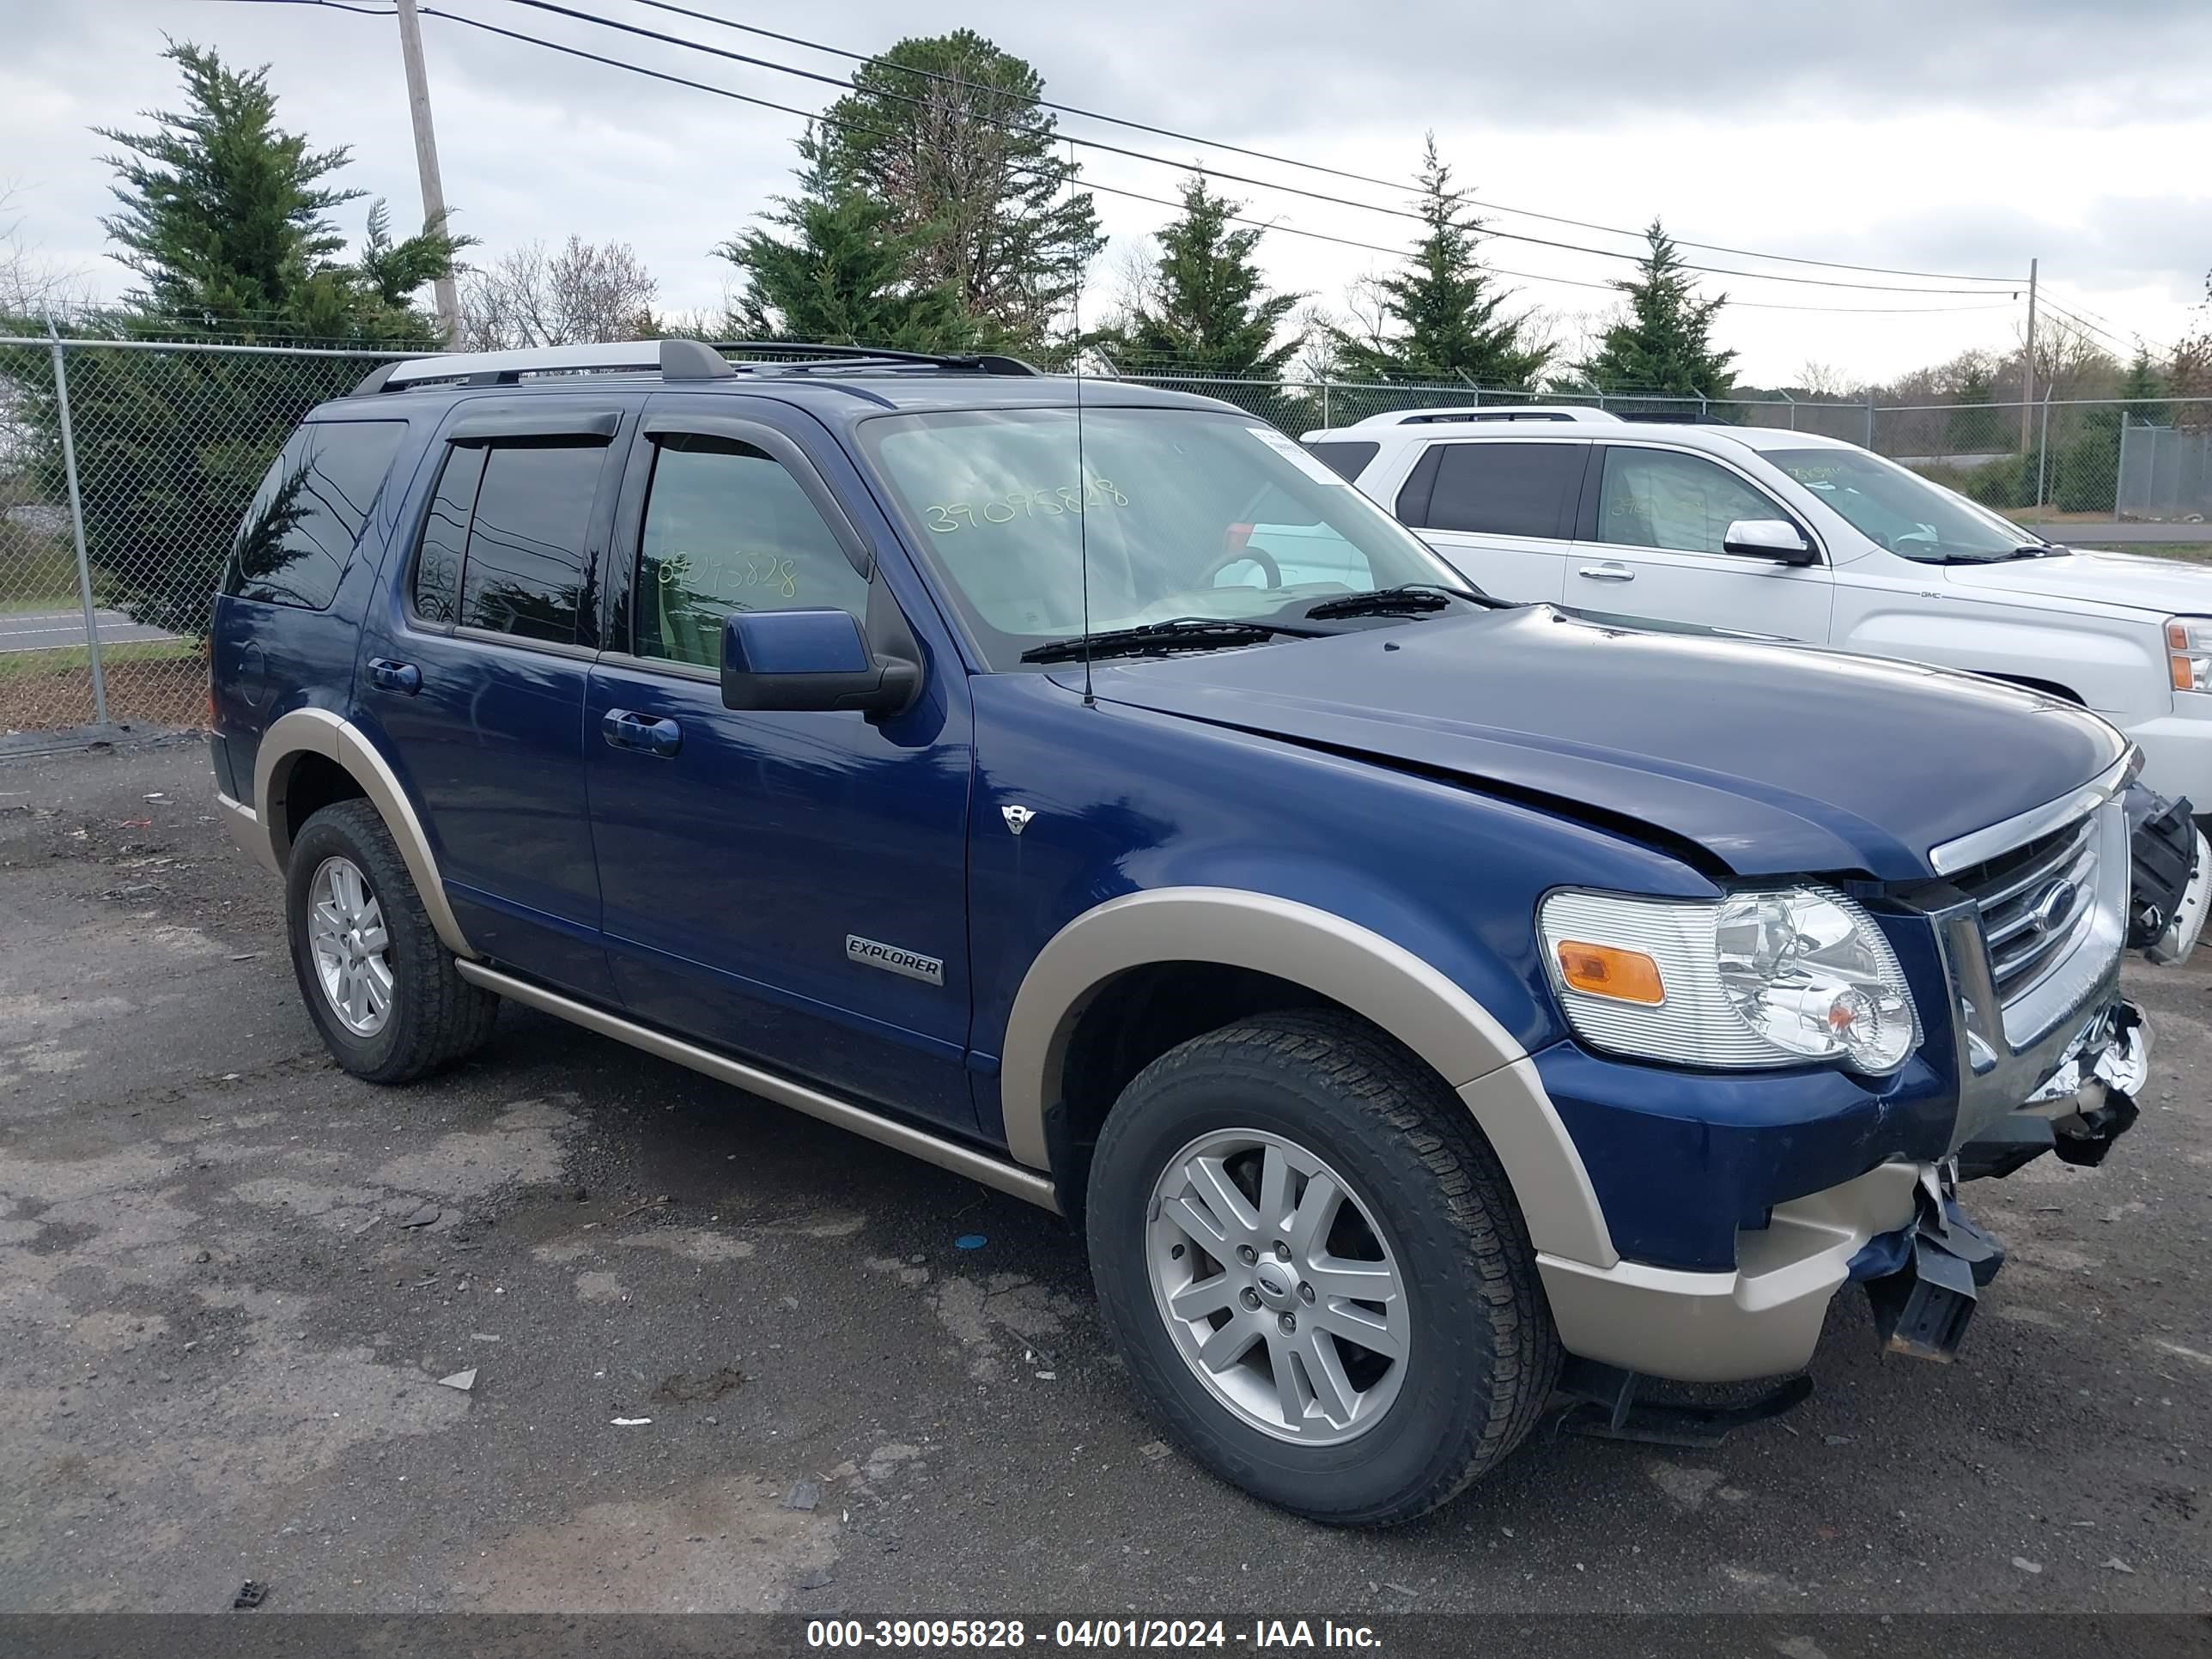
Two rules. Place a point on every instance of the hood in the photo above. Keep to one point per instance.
(1774, 760)
(2169, 586)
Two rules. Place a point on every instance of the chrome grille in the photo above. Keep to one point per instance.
(2034, 900)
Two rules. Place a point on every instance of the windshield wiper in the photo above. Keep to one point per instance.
(1408, 599)
(1177, 633)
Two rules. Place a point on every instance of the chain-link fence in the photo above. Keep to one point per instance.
(126, 464)
(2053, 461)
(124, 468)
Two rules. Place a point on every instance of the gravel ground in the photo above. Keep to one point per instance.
(231, 1279)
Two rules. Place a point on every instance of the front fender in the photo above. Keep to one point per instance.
(1375, 977)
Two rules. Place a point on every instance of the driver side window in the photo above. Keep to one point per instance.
(1683, 503)
(727, 529)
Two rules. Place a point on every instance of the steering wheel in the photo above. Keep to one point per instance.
(1258, 555)
(1920, 536)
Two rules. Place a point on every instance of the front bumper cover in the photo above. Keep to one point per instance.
(2086, 1104)
(1763, 1319)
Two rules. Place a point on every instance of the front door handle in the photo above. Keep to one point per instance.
(395, 676)
(626, 729)
(1611, 571)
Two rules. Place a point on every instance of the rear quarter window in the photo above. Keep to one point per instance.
(1346, 459)
(299, 534)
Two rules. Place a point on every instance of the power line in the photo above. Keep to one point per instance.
(554, 9)
(1111, 189)
(1292, 161)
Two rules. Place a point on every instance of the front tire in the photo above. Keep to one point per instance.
(1313, 1265)
(382, 990)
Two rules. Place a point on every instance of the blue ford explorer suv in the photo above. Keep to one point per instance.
(1424, 1005)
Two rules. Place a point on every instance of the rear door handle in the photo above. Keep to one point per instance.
(626, 729)
(1611, 571)
(395, 676)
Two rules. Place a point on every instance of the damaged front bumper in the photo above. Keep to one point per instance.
(2086, 1104)
(1898, 1229)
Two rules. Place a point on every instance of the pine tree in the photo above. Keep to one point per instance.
(1443, 317)
(1665, 344)
(843, 275)
(2144, 388)
(945, 132)
(1204, 308)
(224, 219)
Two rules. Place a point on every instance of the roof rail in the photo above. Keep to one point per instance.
(984, 363)
(1485, 412)
(675, 359)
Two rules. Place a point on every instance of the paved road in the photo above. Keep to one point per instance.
(49, 631)
(230, 1279)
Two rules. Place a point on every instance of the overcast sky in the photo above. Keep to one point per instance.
(1962, 137)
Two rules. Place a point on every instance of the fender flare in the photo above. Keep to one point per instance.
(319, 731)
(1375, 977)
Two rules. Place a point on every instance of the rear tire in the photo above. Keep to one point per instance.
(382, 990)
(1428, 1212)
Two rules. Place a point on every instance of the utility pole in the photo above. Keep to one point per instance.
(426, 161)
(2027, 361)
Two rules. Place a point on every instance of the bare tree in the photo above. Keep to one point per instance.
(30, 283)
(582, 293)
(1826, 380)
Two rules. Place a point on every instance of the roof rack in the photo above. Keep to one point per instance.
(674, 360)
(980, 362)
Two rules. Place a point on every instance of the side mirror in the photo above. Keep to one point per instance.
(810, 659)
(1769, 538)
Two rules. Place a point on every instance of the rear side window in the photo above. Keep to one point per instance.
(1506, 489)
(299, 534)
(1347, 460)
(504, 548)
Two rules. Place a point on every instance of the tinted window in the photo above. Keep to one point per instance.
(1658, 498)
(524, 572)
(299, 534)
(437, 590)
(1505, 488)
(1347, 460)
(727, 529)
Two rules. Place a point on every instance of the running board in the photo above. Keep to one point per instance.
(1022, 1183)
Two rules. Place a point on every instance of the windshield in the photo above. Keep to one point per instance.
(1900, 510)
(1186, 514)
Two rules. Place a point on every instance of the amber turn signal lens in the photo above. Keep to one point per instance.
(1607, 970)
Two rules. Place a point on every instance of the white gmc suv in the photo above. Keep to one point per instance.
(1801, 537)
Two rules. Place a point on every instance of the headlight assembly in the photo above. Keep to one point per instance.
(1760, 978)
(2189, 653)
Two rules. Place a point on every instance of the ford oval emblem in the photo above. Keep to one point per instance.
(2053, 906)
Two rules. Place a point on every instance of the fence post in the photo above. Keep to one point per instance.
(2120, 466)
(76, 524)
(1870, 441)
(1325, 421)
(1600, 398)
(2042, 446)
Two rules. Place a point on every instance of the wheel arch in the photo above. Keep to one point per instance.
(299, 747)
(2048, 687)
(1329, 959)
